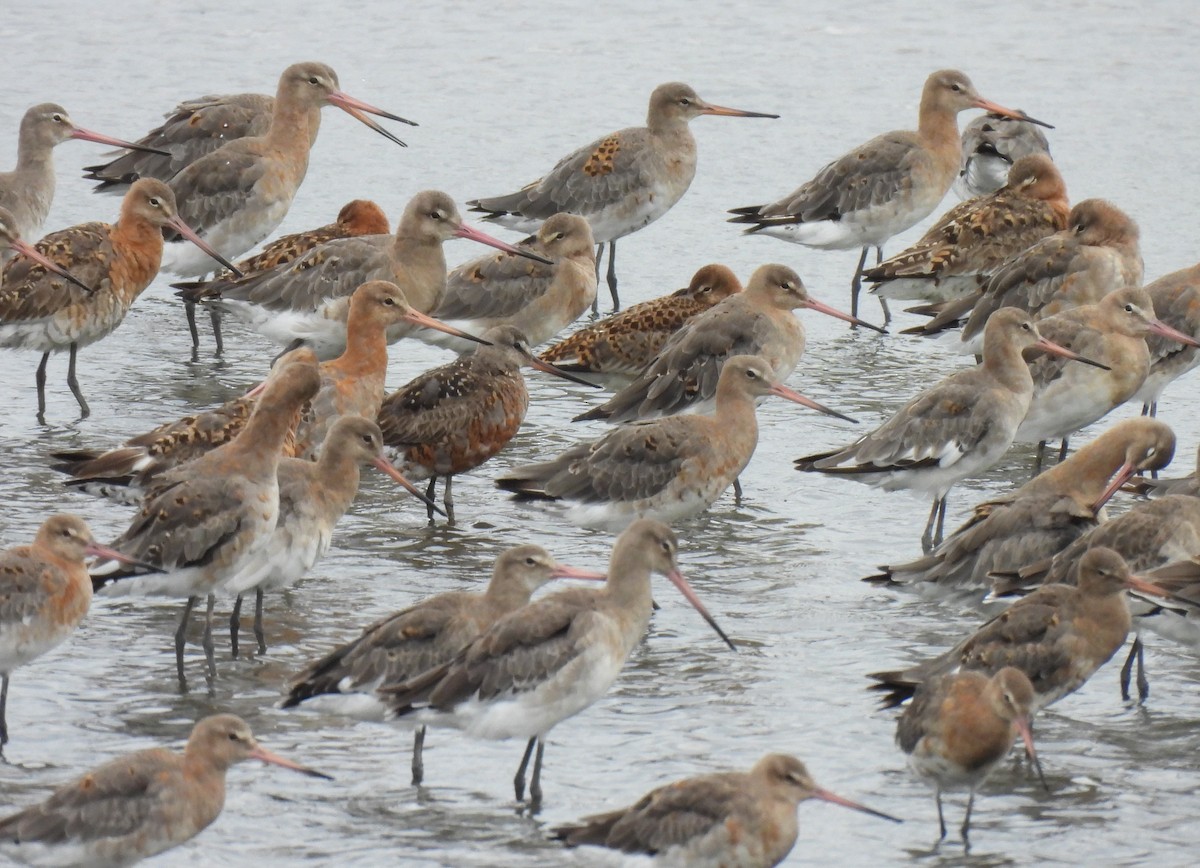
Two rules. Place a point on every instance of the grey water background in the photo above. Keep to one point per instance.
(502, 91)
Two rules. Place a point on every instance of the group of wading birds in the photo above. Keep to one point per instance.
(245, 496)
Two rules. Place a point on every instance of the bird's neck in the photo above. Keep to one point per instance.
(420, 266)
(937, 129)
(1002, 359)
(366, 347)
(138, 245)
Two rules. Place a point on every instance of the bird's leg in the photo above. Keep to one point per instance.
(856, 284)
(209, 657)
(612, 275)
(1154, 410)
(737, 491)
(84, 409)
(41, 388)
(937, 795)
(448, 499)
(596, 300)
(429, 492)
(1041, 455)
(519, 780)
(418, 762)
(887, 313)
(927, 536)
(214, 316)
(941, 523)
(535, 784)
(1136, 652)
(181, 640)
(1062, 450)
(3, 706)
(966, 826)
(235, 625)
(259, 633)
(189, 309)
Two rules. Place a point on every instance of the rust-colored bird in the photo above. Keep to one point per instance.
(959, 727)
(452, 419)
(141, 804)
(39, 310)
(721, 820)
(1058, 636)
(45, 591)
(28, 190)
(757, 321)
(12, 245)
(627, 342)
(1043, 516)
(428, 634)
(669, 468)
(883, 187)
(503, 289)
(619, 183)
(970, 241)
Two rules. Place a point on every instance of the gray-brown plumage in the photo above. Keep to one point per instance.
(619, 183)
(1176, 300)
(726, 819)
(958, 254)
(428, 634)
(757, 321)
(954, 429)
(551, 659)
(627, 342)
(138, 805)
(1058, 636)
(1097, 253)
(28, 190)
(194, 128)
(669, 468)
(204, 519)
(503, 289)
(1044, 515)
(313, 497)
(991, 145)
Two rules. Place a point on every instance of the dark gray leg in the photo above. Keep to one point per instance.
(1062, 450)
(927, 536)
(189, 309)
(41, 388)
(596, 300)
(612, 275)
(856, 284)
(519, 779)
(181, 640)
(429, 492)
(737, 491)
(235, 625)
(259, 633)
(1136, 653)
(418, 762)
(84, 409)
(1041, 456)
(887, 313)
(209, 656)
(941, 524)
(941, 817)
(535, 785)
(448, 499)
(3, 706)
(966, 826)
(214, 316)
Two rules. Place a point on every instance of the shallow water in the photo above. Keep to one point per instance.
(501, 93)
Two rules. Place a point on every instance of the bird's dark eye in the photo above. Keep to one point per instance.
(705, 289)
(684, 101)
(752, 374)
(155, 202)
(529, 562)
(435, 215)
(1129, 308)
(57, 118)
(560, 236)
(233, 736)
(390, 302)
(956, 88)
(1026, 326)
(312, 79)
